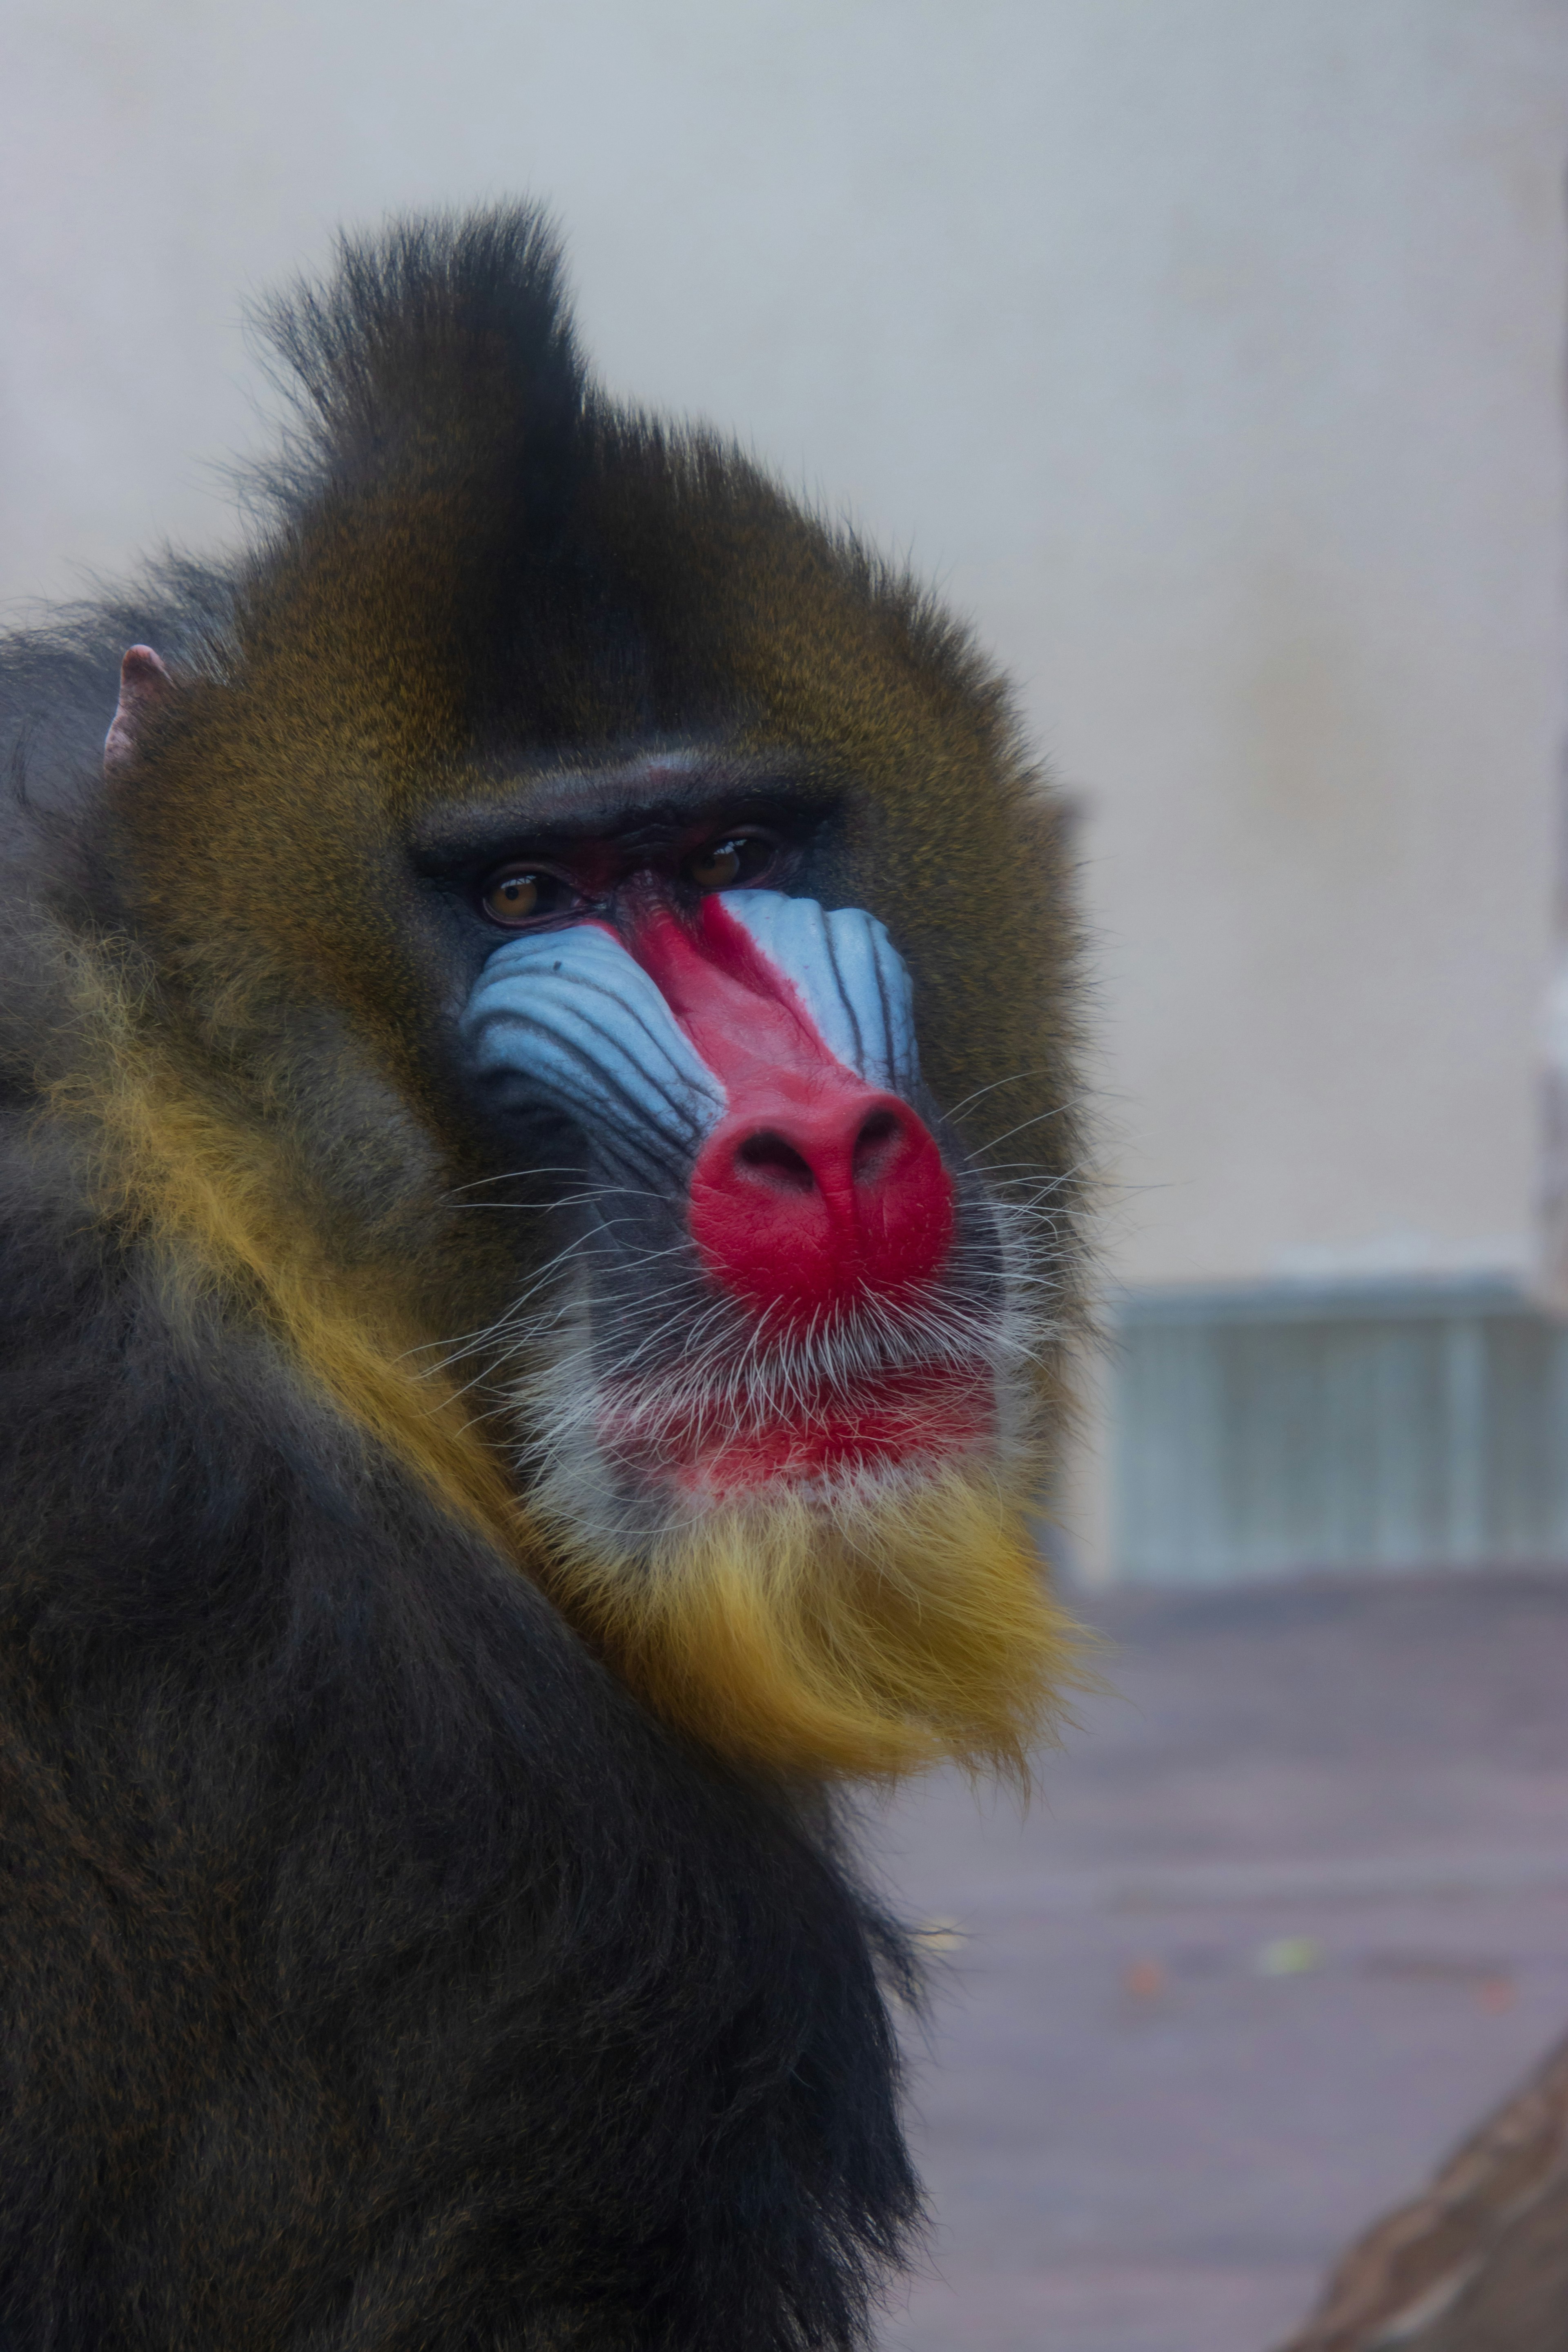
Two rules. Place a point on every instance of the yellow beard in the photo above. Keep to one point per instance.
(886, 1630)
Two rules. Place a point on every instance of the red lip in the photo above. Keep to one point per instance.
(715, 1450)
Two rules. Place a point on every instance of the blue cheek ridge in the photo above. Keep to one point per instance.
(849, 975)
(567, 1021)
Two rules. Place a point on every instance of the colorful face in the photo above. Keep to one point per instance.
(782, 1283)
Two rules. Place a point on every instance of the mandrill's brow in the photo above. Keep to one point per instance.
(656, 803)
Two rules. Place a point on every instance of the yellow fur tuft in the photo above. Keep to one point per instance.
(210, 1193)
(885, 1631)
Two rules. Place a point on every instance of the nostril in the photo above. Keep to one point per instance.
(770, 1160)
(807, 1199)
(875, 1146)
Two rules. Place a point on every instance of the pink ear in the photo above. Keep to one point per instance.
(145, 688)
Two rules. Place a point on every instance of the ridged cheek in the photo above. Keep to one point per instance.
(568, 1021)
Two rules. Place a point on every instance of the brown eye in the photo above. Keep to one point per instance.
(740, 858)
(520, 894)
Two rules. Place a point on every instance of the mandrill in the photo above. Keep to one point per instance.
(541, 1212)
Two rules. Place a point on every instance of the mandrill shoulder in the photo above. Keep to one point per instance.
(341, 1882)
(237, 1174)
(338, 1874)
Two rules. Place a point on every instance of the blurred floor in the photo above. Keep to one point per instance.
(1291, 1912)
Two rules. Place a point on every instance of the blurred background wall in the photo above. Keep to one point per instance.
(1208, 353)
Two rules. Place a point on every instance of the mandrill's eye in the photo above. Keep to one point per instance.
(723, 865)
(522, 894)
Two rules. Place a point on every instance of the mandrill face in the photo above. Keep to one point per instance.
(775, 1282)
(770, 1387)
(700, 1218)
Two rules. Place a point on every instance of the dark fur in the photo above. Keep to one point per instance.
(375, 1973)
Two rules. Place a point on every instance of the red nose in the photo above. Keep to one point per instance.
(808, 1195)
(814, 1190)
